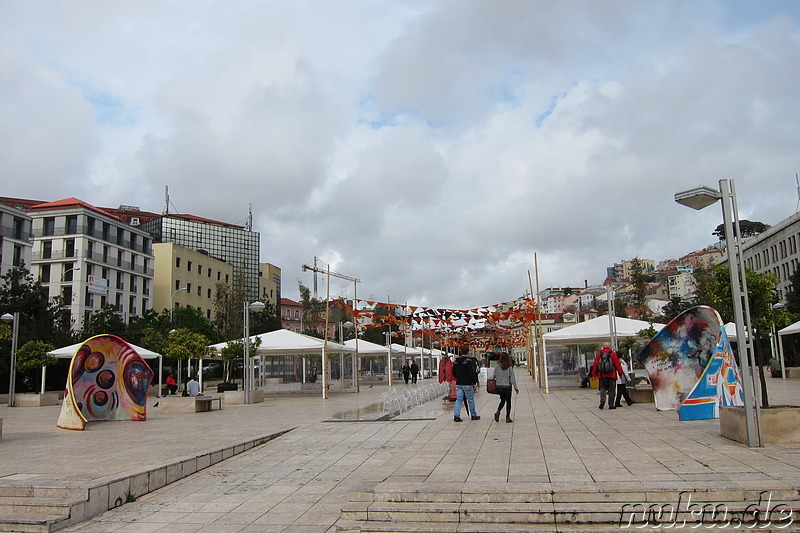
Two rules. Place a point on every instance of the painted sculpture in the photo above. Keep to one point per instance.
(691, 366)
(107, 380)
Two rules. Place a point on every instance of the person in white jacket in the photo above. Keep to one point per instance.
(622, 387)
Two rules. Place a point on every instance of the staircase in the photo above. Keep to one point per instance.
(29, 509)
(427, 511)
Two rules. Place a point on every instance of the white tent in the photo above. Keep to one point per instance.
(368, 348)
(68, 351)
(407, 350)
(288, 342)
(596, 331)
(788, 330)
(730, 329)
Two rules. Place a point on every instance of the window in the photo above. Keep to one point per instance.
(17, 259)
(177, 262)
(219, 276)
(49, 226)
(189, 266)
(189, 288)
(200, 270)
(199, 290)
(47, 249)
(69, 272)
(69, 248)
(209, 293)
(177, 284)
(44, 274)
(18, 226)
(209, 272)
(297, 314)
(72, 224)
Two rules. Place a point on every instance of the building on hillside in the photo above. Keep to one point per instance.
(291, 315)
(681, 285)
(269, 282)
(16, 238)
(236, 245)
(624, 270)
(187, 278)
(114, 260)
(702, 259)
(776, 251)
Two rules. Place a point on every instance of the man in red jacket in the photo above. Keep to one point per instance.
(606, 368)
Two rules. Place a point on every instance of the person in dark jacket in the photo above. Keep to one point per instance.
(406, 371)
(414, 372)
(466, 374)
(607, 380)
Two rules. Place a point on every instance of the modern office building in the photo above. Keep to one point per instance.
(92, 258)
(233, 244)
(16, 238)
(187, 278)
(270, 284)
(775, 250)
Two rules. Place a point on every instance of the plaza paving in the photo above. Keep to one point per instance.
(301, 480)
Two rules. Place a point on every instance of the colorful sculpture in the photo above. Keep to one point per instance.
(107, 380)
(691, 366)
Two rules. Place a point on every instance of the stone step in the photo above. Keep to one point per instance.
(43, 491)
(616, 513)
(345, 526)
(33, 505)
(30, 523)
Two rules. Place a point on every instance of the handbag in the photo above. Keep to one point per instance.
(491, 386)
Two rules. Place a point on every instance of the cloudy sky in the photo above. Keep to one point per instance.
(426, 147)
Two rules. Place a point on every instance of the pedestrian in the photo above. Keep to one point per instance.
(193, 387)
(172, 387)
(406, 371)
(414, 371)
(504, 378)
(466, 374)
(622, 384)
(606, 368)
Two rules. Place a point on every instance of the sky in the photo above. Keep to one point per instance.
(437, 150)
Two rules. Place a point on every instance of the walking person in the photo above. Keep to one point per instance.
(414, 371)
(505, 380)
(606, 368)
(466, 374)
(406, 372)
(622, 384)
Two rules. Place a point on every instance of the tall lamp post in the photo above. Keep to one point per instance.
(9, 318)
(247, 376)
(171, 305)
(700, 198)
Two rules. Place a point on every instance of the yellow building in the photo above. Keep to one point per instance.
(188, 278)
(269, 284)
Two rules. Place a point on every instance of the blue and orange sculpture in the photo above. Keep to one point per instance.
(692, 367)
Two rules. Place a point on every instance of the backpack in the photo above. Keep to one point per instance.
(604, 366)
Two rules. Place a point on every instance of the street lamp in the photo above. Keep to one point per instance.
(701, 197)
(171, 305)
(247, 375)
(9, 318)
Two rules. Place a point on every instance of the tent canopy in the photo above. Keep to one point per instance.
(285, 342)
(596, 331)
(407, 350)
(366, 347)
(68, 351)
(791, 329)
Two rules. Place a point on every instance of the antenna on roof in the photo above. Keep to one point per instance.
(796, 209)
(166, 200)
(249, 225)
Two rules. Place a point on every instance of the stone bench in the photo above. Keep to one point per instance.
(641, 394)
(189, 404)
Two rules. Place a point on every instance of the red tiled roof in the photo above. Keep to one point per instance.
(19, 202)
(287, 301)
(70, 202)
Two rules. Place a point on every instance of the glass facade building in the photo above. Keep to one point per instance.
(233, 244)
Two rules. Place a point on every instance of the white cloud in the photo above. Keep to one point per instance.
(429, 148)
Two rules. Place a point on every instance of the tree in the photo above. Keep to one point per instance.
(675, 307)
(32, 356)
(106, 321)
(265, 320)
(313, 313)
(748, 227)
(714, 290)
(235, 351)
(793, 293)
(184, 344)
(639, 284)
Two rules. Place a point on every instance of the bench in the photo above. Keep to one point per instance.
(205, 403)
(189, 404)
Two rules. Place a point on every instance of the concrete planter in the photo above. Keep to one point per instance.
(237, 396)
(780, 424)
(31, 399)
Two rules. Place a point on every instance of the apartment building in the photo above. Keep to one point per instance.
(16, 238)
(91, 258)
(187, 278)
(269, 282)
(776, 251)
(291, 315)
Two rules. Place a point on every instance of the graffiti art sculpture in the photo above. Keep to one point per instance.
(691, 366)
(107, 380)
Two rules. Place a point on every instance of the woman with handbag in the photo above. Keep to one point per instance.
(504, 378)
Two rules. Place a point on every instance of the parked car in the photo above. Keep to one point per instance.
(212, 367)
